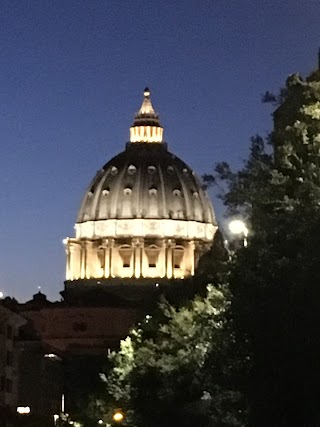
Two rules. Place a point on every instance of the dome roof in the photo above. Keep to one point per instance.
(144, 216)
(146, 181)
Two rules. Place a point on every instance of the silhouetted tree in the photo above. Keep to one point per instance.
(275, 280)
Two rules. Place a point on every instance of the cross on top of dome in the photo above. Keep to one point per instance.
(146, 126)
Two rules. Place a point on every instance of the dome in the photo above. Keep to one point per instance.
(144, 215)
(146, 181)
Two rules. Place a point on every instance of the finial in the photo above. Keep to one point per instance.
(146, 92)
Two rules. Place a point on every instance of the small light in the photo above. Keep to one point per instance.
(1, 295)
(238, 227)
(51, 356)
(100, 422)
(23, 410)
(157, 285)
(118, 416)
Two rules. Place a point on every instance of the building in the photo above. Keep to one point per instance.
(144, 215)
(31, 373)
(10, 322)
(143, 224)
(40, 376)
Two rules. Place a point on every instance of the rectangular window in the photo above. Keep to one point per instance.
(8, 386)
(153, 255)
(9, 358)
(2, 383)
(177, 257)
(126, 254)
(9, 332)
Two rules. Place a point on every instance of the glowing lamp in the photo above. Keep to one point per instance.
(118, 416)
(23, 410)
(238, 227)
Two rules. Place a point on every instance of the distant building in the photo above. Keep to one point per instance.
(10, 322)
(31, 372)
(40, 376)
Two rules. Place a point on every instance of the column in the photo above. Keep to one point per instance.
(111, 258)
(91, 261)
(101, 253)
(83, 259)
(137, 257)
(191, 258)
(169, 258)
(68, 255)
(106, 269)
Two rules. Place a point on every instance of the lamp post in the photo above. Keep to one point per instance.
(238, 227)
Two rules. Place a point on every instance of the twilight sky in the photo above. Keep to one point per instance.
(72, 75)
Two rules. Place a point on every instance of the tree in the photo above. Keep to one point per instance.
(275, 280)
(178, 372)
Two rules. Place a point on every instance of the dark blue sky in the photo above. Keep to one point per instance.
(71, 78)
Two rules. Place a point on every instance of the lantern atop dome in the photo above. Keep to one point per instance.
(146, 127)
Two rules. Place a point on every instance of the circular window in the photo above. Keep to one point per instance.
(114, 170)
(152, 169)
(176, 192)
(106, 192)
(170, 169)
(153, 191)
(127, 191)
(132, 170)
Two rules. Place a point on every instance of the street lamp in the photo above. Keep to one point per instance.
(238, 227)
(118, 416)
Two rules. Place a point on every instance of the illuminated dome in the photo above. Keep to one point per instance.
(145, 181)
(144, 214)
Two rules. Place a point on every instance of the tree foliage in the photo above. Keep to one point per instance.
(275, 280)
(178, 372)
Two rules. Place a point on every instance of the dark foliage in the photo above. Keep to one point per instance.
(275, 280)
